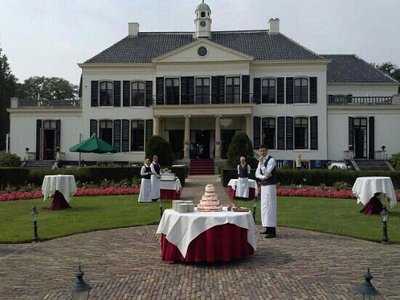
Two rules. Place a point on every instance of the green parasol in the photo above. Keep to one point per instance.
(93, 145)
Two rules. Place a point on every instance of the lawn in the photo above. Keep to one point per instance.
(97, 213)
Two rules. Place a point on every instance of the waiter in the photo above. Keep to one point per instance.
(145, 185)
(242, 186)
(155, 179)
(266, 174)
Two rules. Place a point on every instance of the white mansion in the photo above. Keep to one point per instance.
(196, 89)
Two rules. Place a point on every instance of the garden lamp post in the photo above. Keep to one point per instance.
(34, 220)
(385, 217)
(81, 289)
(366, 289)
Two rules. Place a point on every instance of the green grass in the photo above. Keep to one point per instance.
(98, 213)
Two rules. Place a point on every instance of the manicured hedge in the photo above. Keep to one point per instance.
(23, 176)
(318, 177)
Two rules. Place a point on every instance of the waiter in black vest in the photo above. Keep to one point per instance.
(266, 174)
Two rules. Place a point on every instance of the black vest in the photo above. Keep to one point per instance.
(157, 168)
(271, 180)
(148, 171)
(243, 171)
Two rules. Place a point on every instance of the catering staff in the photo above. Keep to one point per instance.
(242, 186)
(145, 186)
(266, 173)
(155, 179)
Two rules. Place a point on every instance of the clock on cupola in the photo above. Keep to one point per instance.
(203, 21)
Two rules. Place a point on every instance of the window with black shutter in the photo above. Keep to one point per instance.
(149, 129)
(280, 93)
(351, 134)
(233, 90)
(125, 136)
(218, 89)
(289, 133)
(289, 90)
(371, 130)
(106, 93)
(58, 134)
(301, 90)
(203, 90)
(257, 91)
(138, 93)
(245, 89)
(126, 93)
(106, 131)
(38, 139)
(268, 90)
(301, 133)
(256, 132)
(117, 93)
(314, 133)
(117, 135)
(281, 133)
(93, 128)
(149, 93)
(269, 132)
(187, 90)
(137, 135)
(160, 90)
(94, 94)
(172, 91)
(313, 90)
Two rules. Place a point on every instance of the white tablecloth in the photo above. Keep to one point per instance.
(181, 229)
(252, 184)
(173, 185)
(65, 184)
(365, 188)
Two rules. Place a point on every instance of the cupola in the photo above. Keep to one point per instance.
(203, 21)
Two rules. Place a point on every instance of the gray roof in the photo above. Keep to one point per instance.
(350, 68)
(259, 44)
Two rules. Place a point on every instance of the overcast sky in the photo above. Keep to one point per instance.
(49, 37)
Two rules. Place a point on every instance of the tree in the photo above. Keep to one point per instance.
(390, 69)
(240, 146)
(160, 147)
(8, 83)
(48, 88)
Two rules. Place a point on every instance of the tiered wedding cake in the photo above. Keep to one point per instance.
(209, 201)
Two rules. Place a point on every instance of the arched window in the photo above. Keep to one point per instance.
(203, 14)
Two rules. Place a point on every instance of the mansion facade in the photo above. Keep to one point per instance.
(197, 89)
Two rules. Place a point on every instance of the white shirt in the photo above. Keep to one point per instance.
(263, 172)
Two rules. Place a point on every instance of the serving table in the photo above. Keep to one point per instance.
(170, 189)
(253, 190)
(206, 236)
(61, 188)
(370, 191)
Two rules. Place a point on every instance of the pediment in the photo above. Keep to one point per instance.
(190, 53)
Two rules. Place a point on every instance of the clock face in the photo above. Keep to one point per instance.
(203, 23)
(202, 51)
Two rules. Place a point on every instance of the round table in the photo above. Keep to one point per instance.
(170, 189)
(61, 188)
(253, 190)
(369, 189)
(206, 236)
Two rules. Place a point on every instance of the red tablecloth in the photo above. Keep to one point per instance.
(59, 202)
(169, 195)
(222, 243)
(373, 207)
(231, 193)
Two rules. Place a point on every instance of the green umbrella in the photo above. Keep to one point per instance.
(93, 145)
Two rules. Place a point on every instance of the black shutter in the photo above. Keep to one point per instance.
(125, 136)
(117, 135)
(38, 138)
(94, 96)
(280, 90)
(218, 89)
(289, 90)
(289, 133)
(126, 93)
(314, 133)
(93, 128)
(281, 133)
(160, 90)
(256, 132)
(257, 91)
(58, 134)
(351, 134)
(149, 93)
(187, 90)
(245, 88)
(371, 137)
(149, 130)
(313, 90)
(117, 93)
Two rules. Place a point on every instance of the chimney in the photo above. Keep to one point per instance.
(133, 29)
(274, 25)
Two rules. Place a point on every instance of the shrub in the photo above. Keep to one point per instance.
(9, 160)
(13, 177)
(240, 146)
(160, 147)
(395, 161)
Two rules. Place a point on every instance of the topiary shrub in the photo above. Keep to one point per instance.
(160, 147)
(241, 146)
(9, 160)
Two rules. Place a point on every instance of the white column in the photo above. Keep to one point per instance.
(186, 140)
(218, 137)
(249, 127)
(156, 126)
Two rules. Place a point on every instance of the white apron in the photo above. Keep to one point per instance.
(268, 206)
(155, 187)
(145, 191)
(242, 188)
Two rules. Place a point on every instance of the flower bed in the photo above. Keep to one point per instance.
(315, 192)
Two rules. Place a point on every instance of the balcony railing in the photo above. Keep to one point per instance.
(248, 99)
(367, 100)
(32, 103)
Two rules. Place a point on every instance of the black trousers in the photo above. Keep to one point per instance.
(270, 230)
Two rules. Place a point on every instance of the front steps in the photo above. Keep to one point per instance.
(201, 167)
(373, 165)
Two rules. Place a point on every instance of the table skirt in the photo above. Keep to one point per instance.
(170, 195)
(373, 207)
(59, 202)
(231, 193)
(222, 243)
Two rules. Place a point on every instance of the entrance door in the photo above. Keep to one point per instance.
(226, 138)
(176, 141)
(360, 138)
(200, 146)
(49, 152)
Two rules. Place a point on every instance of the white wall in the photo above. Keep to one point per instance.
(363, 89)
